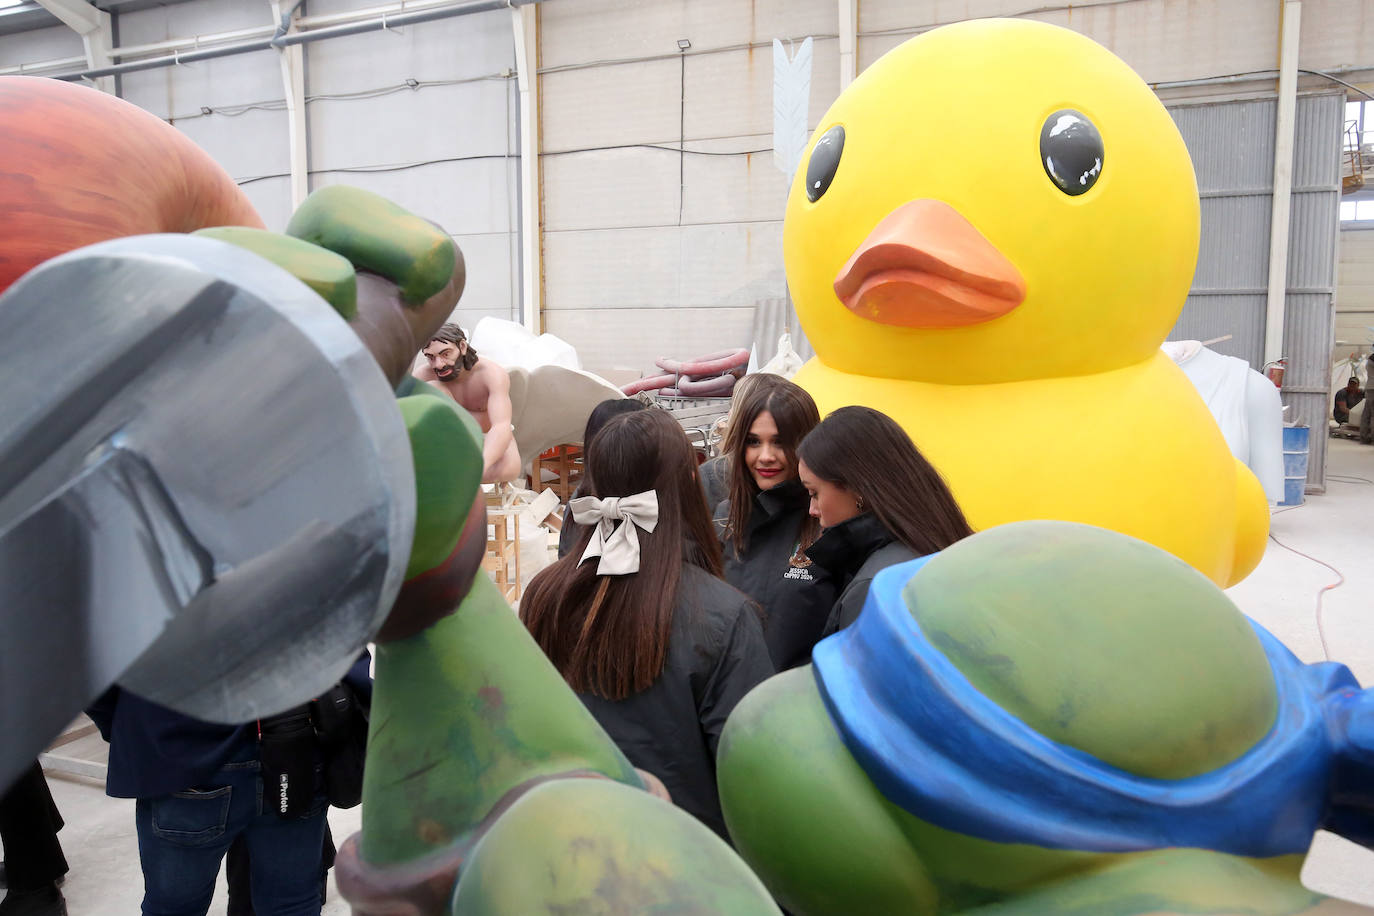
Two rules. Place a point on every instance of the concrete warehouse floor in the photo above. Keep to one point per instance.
(1333, 530)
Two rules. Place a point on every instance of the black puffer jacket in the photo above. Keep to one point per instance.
(715, 656)
(796, 596)
(853, 552)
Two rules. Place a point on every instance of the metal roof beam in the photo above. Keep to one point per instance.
(77, 15)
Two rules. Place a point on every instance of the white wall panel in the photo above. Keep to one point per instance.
(1160, 39)
(609, 106)
(610, 189)
(439, 122)
(614, 251)
(638, 188)
(231, 83)
(187, 20)
(732, 189)
(39, 45)
(465, 46)
(491, 288)
(1355, 293)
(692, 266)
(1356, 267)
(578, 31)
(625, 342)
(730, 94)
(1337, 33)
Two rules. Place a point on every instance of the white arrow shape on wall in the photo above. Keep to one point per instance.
(791, 103)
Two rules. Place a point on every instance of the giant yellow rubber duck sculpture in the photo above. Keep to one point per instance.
(990, 235)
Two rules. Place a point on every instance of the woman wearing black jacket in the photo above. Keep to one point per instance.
(764, 523)
(636, 618)
(879, 502)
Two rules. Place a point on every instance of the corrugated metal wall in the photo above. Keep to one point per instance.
(1232, 145)
(446, 147)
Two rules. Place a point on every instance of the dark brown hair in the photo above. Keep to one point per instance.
(795, 415)
(867, 453)
(602, 413)
(452, 333)
(608, 635)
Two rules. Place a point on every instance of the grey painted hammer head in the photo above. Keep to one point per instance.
(206, 490)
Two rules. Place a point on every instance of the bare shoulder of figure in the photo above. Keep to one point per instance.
(491, 369)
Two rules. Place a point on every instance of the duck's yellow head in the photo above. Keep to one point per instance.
(992, 201)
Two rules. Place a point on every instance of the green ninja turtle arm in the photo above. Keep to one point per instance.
(487, 778)
(489, 787)
(327, 273)
(392, 275)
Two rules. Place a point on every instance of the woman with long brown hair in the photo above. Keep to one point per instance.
(764, 524)
(714, 473)
(636, 618)
(878, 500)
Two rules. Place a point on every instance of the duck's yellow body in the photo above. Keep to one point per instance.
(993, 231)
(1133, 449)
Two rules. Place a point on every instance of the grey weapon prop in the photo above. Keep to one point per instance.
(206, 489)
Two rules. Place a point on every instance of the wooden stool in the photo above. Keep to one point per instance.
(502, 559)
(565, 461)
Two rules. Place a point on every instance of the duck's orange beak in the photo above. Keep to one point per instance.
(925, 266)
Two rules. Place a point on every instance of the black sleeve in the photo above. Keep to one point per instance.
(359, 677)
(742, 664)
(847, 609)
(102, 711)
(567, 537)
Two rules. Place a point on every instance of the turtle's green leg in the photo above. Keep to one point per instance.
(598, 847)
(463, 713)
(805, 816)
(475, 738)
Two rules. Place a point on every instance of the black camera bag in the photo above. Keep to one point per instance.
(341, 727)
(289, 751)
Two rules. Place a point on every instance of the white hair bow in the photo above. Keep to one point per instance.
(618, 548)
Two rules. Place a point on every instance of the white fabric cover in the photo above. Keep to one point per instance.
(1246, 406)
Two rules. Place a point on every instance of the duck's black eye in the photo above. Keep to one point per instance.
(1071, 151)
(825, 159)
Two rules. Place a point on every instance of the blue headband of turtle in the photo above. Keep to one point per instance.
(941, 750)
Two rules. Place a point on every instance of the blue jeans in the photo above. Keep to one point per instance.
(182, 838)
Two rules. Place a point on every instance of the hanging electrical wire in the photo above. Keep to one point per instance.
(406, 166)
(409, 85)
